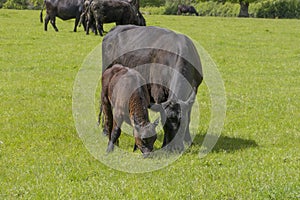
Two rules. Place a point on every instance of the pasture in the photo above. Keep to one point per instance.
(256, 157)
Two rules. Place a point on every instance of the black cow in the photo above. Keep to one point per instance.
(63, 9)
(108, 11)
(171, 66)
(186, 9)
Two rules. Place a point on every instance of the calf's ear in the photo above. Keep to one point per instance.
(135, 147)
(137, 127)
(136, 124)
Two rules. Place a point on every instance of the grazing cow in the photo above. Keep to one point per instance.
(108, 11)
(124, 97)
(85, 14)
(63, 9)
(170, 63)
(186, 9)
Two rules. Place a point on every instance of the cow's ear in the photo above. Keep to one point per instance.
(188, 102)
(156, 107)
(155, 123)
(166, 104)
(136, 124)
(191, 100)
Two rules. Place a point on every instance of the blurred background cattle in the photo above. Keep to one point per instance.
(108, 11)
(93, 13)
(186, 9)
(63, 9)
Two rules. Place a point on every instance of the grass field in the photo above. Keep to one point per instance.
(256, 157)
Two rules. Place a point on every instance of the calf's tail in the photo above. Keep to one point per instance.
(99, 116)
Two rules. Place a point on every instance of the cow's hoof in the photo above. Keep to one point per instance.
(105, 133)
(147, 155)
(117, 142)
(189, 143)
(175, 148)
(110, 147)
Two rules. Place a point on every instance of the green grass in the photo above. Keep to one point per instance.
(256, 157)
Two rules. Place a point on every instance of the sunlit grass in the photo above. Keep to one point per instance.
(256, 157)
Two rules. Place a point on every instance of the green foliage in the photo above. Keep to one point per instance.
(277, 9)
(23, 4)
(212, 8)
(153, 10)
(2, 2)
(171, 7)
(224, 8)
(15, 4)
(154, 3)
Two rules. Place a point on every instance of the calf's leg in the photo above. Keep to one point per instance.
(114, 136)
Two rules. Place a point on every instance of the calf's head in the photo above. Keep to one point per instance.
(145, 137)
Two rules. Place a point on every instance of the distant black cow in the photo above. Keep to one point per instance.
(170, 64)
(63, 9)
(186, 9)
(108, 11)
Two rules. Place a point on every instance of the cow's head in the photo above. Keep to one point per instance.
(145, 137)
(140, 19)
(176, 114)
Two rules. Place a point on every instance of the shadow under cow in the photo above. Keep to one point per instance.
(225, 143)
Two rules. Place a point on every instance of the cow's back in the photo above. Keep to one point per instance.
(140, 47)
(64, 9)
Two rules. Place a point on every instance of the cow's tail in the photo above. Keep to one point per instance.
(41, 14)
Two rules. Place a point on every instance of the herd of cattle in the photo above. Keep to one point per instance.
(142, 68)
(94, 13)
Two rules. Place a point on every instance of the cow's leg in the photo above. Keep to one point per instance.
(173, 135)
(47, 18)
(88, 26)
(52, 21)
(95, 28)
(175, 143)
(187, 135)
(76, 23)
(83, 20)
(99, 26)
(100, 30)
